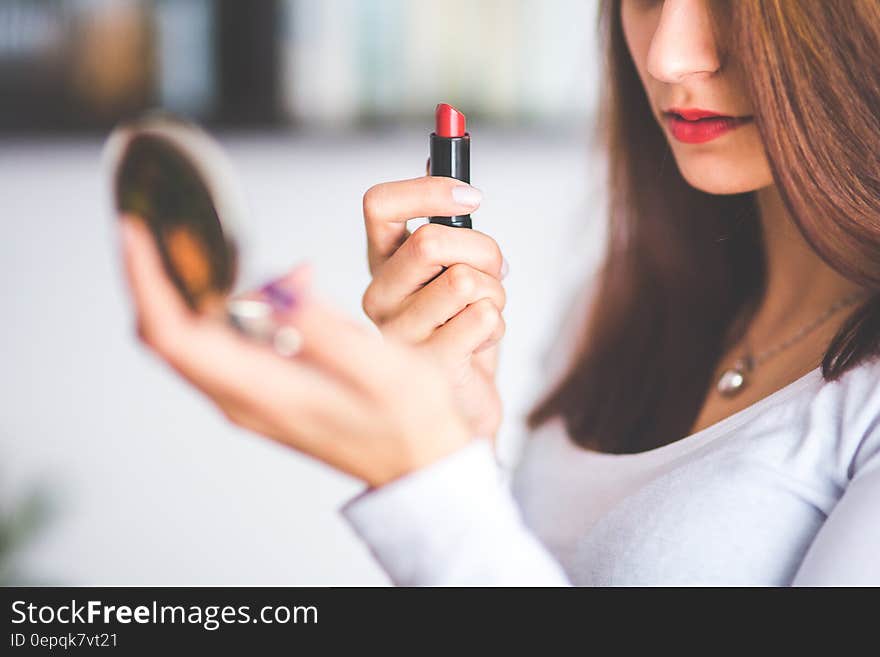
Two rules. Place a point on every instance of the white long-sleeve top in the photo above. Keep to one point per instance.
(784, 492)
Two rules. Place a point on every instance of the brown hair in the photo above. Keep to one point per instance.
(684, 270)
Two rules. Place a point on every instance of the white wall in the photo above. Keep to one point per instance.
(153, 486)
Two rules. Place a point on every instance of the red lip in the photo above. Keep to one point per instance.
(692, 113)
(696, 126)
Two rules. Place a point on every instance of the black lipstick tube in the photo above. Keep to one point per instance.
(451, 156)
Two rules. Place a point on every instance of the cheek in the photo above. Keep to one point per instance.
(639, 25)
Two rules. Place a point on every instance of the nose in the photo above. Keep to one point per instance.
(684, 43)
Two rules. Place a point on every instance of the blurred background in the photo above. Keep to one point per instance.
(112, 471)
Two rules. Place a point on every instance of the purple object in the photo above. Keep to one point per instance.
(279, 297)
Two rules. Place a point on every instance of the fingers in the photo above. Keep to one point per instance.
(345, 348)
(161, 313)
(165, 324)
(480, 325)
(298, 278)
(424, 254)
(244, 378)
(388, 206)
(441, 299)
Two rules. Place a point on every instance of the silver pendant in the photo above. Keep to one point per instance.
(734, 379)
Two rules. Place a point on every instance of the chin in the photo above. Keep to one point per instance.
(720, 175)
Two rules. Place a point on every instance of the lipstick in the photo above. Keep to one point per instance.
(451, 155)
(696, 126)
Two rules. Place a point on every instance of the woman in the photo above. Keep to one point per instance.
(719, 418)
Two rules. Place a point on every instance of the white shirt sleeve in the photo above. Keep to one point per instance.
(452, 523)
(846, 551)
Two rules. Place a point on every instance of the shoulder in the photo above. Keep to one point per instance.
(853, 401)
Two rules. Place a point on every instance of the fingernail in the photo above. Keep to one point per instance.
(281, 298)
(467, 196)
(504, 267)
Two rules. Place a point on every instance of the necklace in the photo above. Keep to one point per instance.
(735, 378)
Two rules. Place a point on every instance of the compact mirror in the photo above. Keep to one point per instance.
(176, 177)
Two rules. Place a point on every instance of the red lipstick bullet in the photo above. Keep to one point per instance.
(451, 155)
(449, 122)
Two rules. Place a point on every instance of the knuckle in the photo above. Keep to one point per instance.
(461, 279)
(486, 313)
(150, 334)
(494, 254)
(368, 302)
(497, 257)
(501, 327)
(501, 294)
(372, 201)
(426, 242)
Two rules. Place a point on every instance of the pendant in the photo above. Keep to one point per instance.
(734, 379)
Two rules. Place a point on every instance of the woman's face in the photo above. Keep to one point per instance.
(679, 49)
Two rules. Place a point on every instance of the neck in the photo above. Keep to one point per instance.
(800, 285)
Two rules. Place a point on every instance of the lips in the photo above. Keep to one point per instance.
(696, 126)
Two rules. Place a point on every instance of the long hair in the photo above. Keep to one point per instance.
(684, 270)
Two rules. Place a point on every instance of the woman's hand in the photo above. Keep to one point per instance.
(454, 316)
(372, 407)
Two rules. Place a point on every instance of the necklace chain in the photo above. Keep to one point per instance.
(733, 379)
(804, 330)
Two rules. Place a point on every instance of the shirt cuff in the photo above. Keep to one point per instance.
(421, 526)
